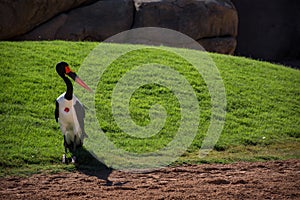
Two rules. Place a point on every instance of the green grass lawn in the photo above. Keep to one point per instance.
(262, 120)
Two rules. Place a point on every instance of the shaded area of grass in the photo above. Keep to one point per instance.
(263, 110)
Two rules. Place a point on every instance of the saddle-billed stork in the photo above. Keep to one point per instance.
(69, 112)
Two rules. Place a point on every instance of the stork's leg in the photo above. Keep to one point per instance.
(64, 158)
(74, 150)
(73, 159)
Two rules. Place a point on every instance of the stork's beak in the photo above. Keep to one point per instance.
(80, 82)
(76, 78)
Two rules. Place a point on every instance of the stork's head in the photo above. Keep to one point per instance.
(63, 70)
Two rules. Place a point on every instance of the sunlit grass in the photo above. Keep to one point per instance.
(262, 120)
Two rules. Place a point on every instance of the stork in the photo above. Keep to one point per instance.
(69, 112)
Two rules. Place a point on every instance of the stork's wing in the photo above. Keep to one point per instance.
(80, 113)
(56, 113)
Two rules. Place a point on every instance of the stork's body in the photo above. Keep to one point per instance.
(70, 112)
(71, 120)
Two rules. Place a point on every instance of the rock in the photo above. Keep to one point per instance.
(46, 31)
(18, 17)
(268, 31)
(197, 19)
(92, 22)
(213, 23)
(224, 45)
(154, 36)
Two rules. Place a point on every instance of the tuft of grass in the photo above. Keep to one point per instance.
(262, 121)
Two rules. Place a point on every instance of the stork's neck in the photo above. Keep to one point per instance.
(69, 92)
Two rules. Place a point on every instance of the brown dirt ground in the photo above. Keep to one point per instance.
(259, 180)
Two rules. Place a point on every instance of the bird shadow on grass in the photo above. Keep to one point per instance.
(87, 164)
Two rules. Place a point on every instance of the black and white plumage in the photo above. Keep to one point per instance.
(69, 111)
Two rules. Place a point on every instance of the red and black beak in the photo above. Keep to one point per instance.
(76, 78)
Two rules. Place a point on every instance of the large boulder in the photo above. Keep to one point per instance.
(197, 19)
(268, 30)
(92, 22)
(224, 45)
(18, 17)
(211, 22)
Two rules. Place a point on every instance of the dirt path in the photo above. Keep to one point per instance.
(260, 180)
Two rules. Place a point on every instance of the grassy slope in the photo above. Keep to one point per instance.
(263, 111)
